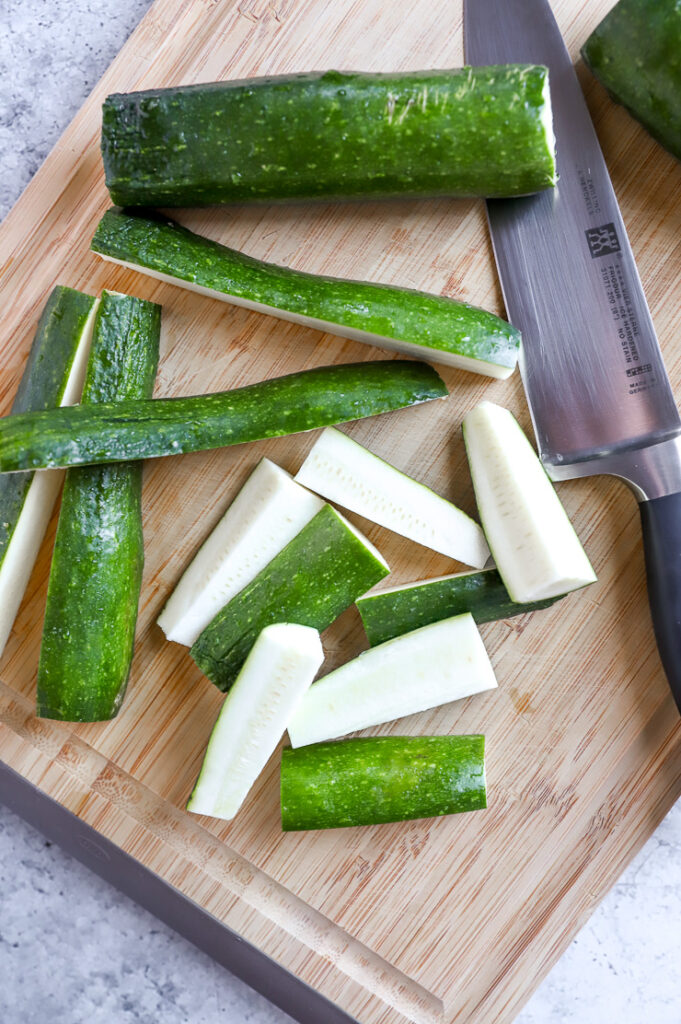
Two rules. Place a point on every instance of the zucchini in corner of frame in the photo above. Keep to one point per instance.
(415, 323)
(483, 131)
(96, 573)
(634, 52)
(53, 376)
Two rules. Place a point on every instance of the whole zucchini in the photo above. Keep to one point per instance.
(53, 376)
(139, 429)
(98, 558)
(380, 779)
(464, 132)
(416, 323)
(635, 54)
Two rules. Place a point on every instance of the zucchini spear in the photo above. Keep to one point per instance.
(400, 319)
(86, 435)
(96, 572)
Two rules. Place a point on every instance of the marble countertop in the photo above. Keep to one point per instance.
(72, 949)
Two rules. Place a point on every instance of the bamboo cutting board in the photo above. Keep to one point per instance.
(455, 919)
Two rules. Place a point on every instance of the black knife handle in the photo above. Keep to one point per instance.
(661, 523)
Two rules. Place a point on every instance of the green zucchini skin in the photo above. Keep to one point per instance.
(431, 326)
(310, 582)
(483, 594)
(140, 429)
(380, 779)
(96, 573)
(636, 53)
(463, 132)
(42, 385)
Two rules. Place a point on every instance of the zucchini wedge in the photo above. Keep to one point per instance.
(96, 574)
(319, 574)
(280, 667)
(140, 429)
(380, 779)
(399, 319)
(53, 376)
(534, 545)
(348, 474)
(397, 610)
(267, 513)
(483, 131)
(634, 53)
(414, 672)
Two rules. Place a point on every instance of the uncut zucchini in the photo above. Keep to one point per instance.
(96, 573)
(433, 665)
(140, 429)
(53, 376)
(280, 667)
(634, 52)
(310, 582)
(400, 319)
(348, 474)
(269, 510)
(380, 779)
(392, 612)
(462, 132)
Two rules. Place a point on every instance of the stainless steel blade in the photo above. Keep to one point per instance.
(591, 363)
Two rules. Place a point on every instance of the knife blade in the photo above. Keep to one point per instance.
(591, 364)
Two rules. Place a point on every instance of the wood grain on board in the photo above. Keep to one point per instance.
(427, 921)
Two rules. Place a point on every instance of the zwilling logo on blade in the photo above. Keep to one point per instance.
(602, 241)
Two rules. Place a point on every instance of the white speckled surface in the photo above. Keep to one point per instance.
(72, 950)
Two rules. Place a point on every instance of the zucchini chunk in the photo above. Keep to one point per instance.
(536, 550)
(319, 574)
(348, 474)
(269, 510)
(380, 779)
(281, 665)
(397, 610)
(414, 672)
(96, 573)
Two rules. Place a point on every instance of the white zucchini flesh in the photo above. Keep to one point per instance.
(432, 665)
(266, 514)
(536, 550)
(348, 474)
(279, 669)
(408, 348)
(36, 512)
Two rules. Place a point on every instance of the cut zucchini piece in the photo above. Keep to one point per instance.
(483, 131)
(414, 323)
(351, 476)
(397, 610)
(280, 667)
(635, 54)
(319, 573)
(96, 573)
(266, 514)
(535, 547)
(380, 779)
(53, 376)
(422, 669)
(119, 431)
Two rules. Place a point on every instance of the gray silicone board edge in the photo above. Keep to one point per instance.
(168, 904)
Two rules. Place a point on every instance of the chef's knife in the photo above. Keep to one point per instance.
(591, 364)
